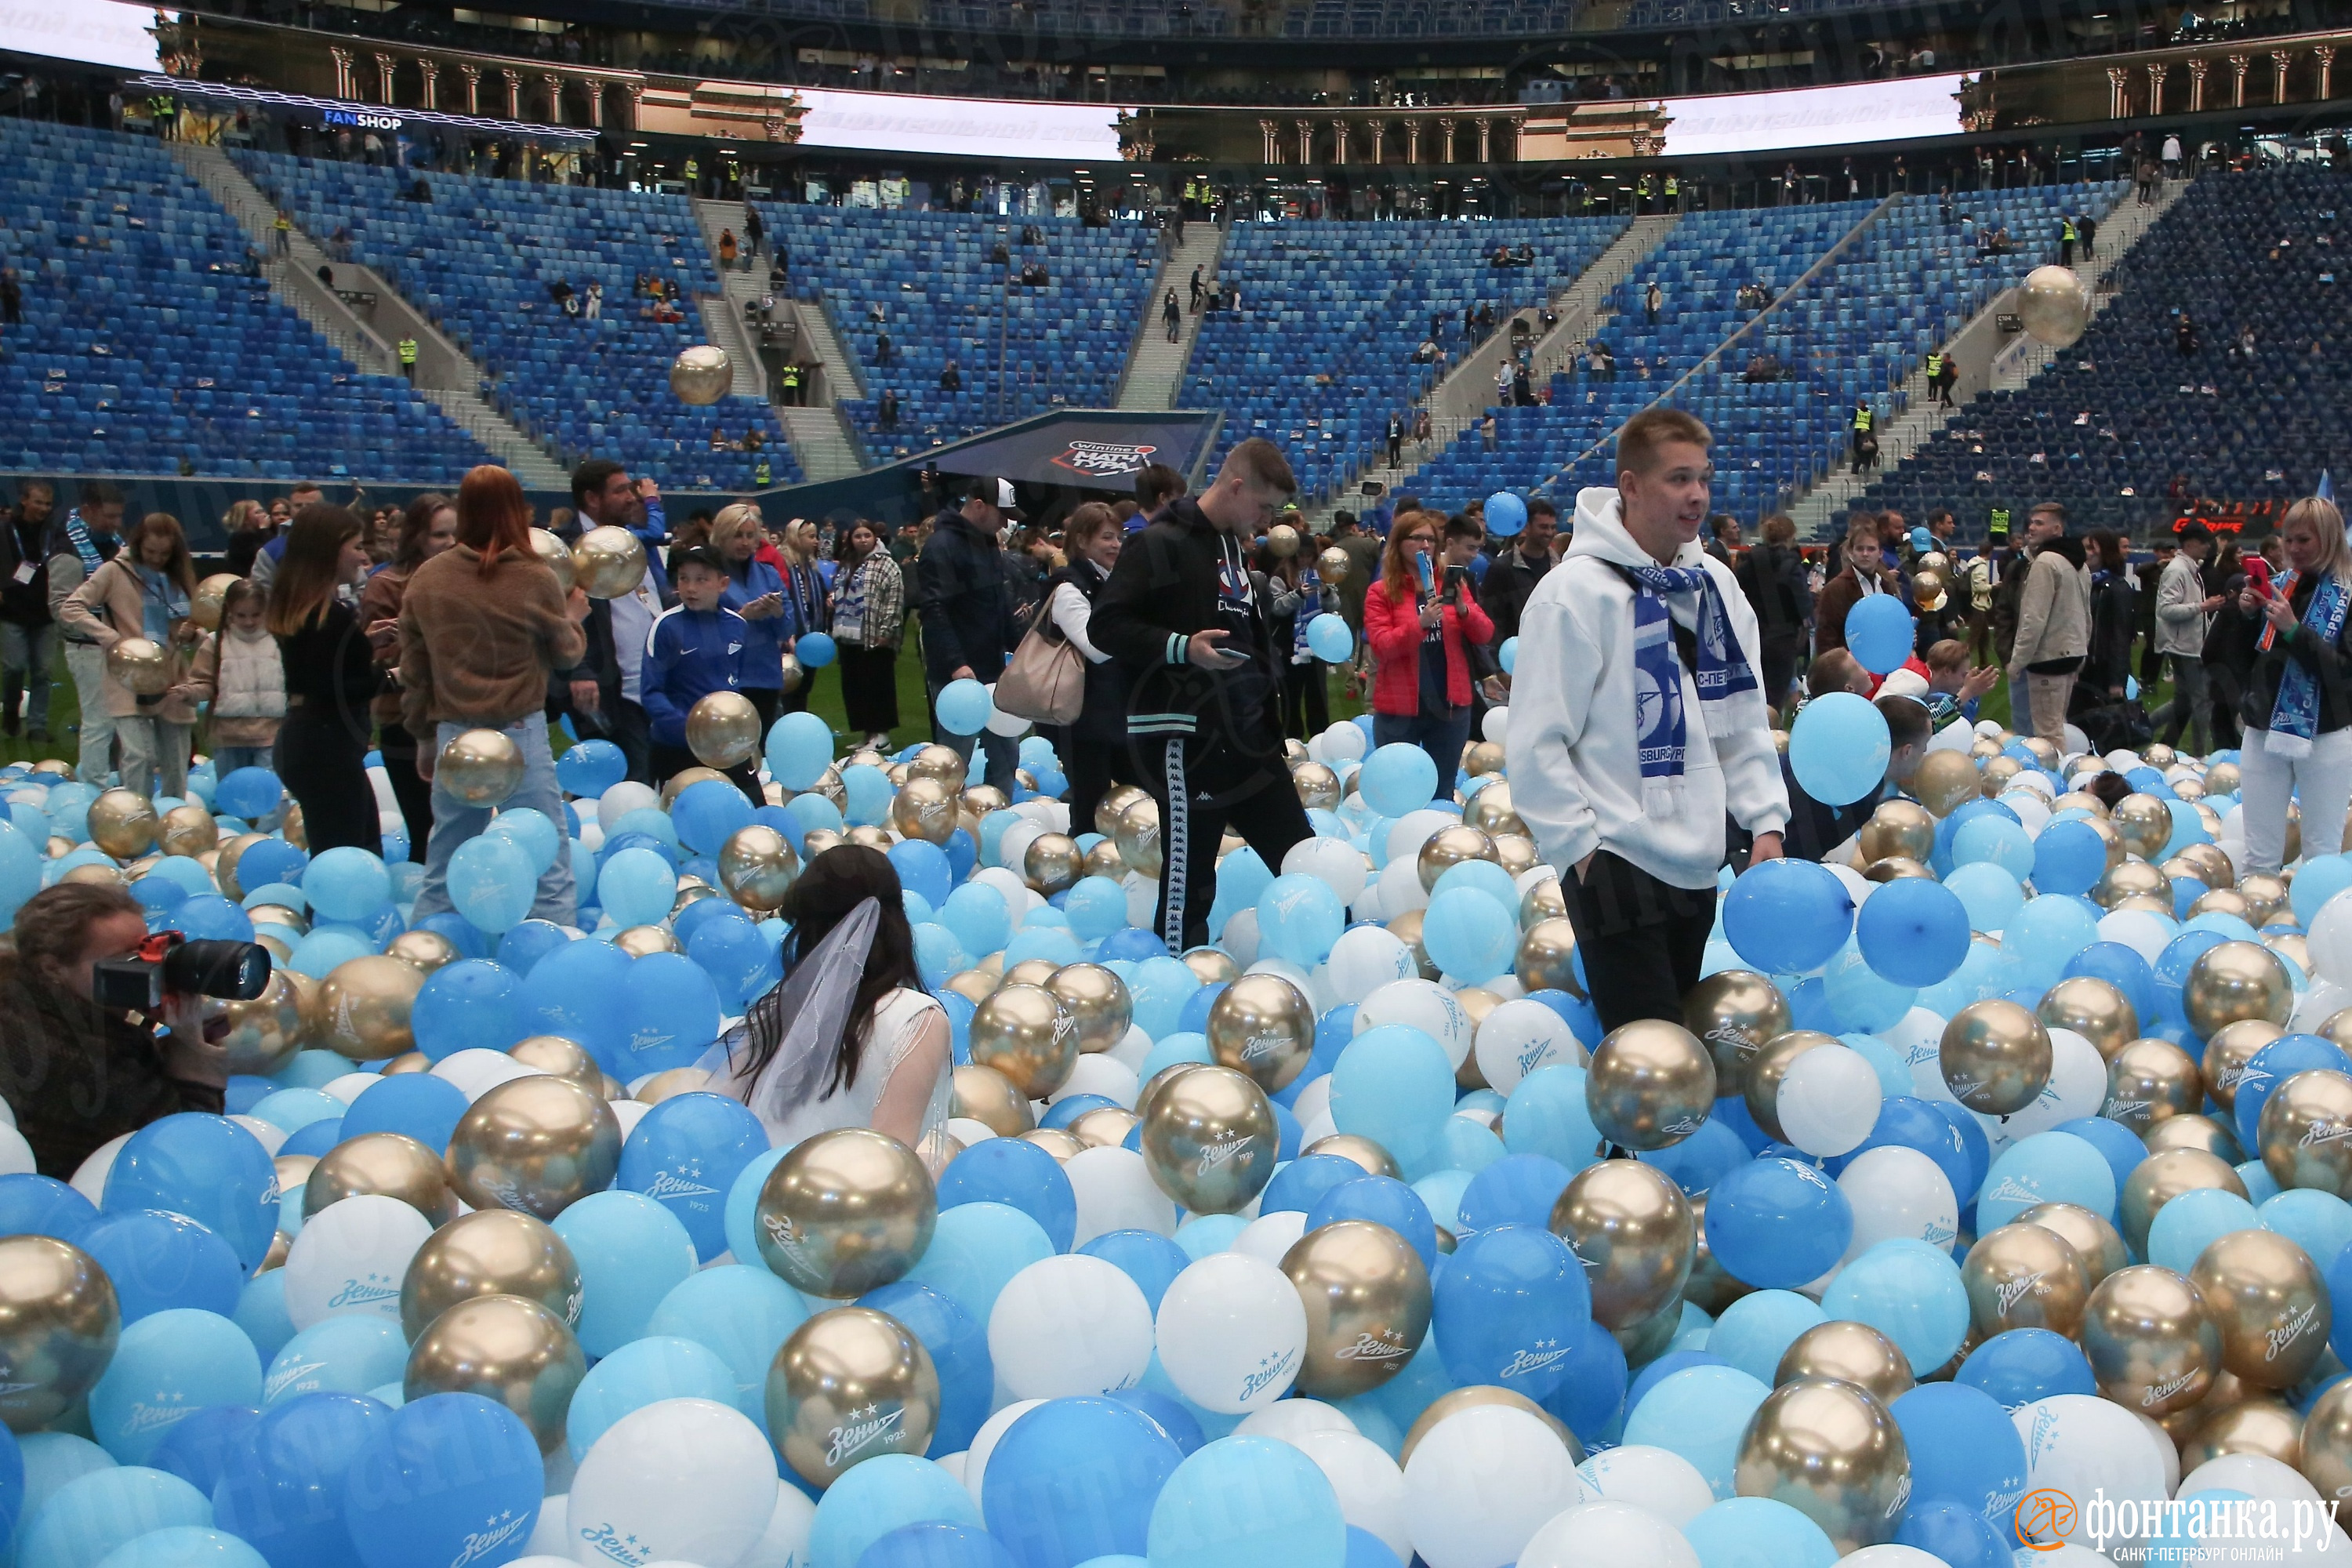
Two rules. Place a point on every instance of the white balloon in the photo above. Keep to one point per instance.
(2031, 805)
(1313, 1101)
(1425, 1005)
(477, 1071)
(1607, 1535)
(1891, 1555)
(1142, 898)
(1366, 958)
(1398, 888)
(1289, 1420)
(1304, 983)
(687, 1478)
(1115, 1192)
(1336, 863)
(1857, 886)
(784, 1542)
(2258, 1475)
(1828, 1107)
(16, 1154)
(89, 1176)
(2167, 1452)
(1133, 1050)
(350, 1258)
(2330, 940)
(629, 1113)
(1014, 843)
(1520, 1036)
(1916, 1036)
(2077, 1088)
(1269, 1238)
(1898, 1193)
(350, 1087)
(1071, 1325)
(984, 1441)
(1000, 722)
(1240, 936)
(622, 799)
(1498, 724)
(1480, 1485)
(270, 1137)
(1411, 831)
(1232, 1331)
(2080, 1444)
(967, 1131)
(1098, 1072)
(1370, 1486)
(2142, 931)
(1658, 1479)
(2315, 1006)
(549, 1540)
(1344, 742)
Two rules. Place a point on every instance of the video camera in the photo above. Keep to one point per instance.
(168, 965)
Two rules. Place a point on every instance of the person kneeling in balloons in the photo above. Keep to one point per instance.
(77, 1074)
(1639, 722)
(1815, 827)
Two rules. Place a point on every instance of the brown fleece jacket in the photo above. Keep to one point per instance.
(477, 650)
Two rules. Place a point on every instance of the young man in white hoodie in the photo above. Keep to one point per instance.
(1638, 723)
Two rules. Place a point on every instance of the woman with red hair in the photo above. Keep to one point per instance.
(482, 628)
(1419, 621)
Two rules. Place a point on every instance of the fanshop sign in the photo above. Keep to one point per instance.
(1105, 460)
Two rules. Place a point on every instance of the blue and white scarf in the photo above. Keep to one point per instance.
(78, 535)
(2295, 717)
(1722, 674)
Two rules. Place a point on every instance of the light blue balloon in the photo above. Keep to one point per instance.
(1759, 1533)
(1995, 837)
(492, 884)
(976, 1248)
(939, 957)
(1096, 906)
(2320, 1223)
(2260, 1185)
(641, 1372)
(814, 650)
(183, 1546)
(1203, 1235)
(631, 1252)
(961, 707)
(292, 1110)
(1395, 1086)
(531, 830)
(1880, 632)
(1159, 988)
(1547, 1114)
(317, 953)
(742, 1206)
(1476, 937)
(345, 884)
(741, 1313)
(977, 914)
(1909, 1291)
(346, 1355)
(1328, 638)
(2175, 1240)
(1478, 876)
(2321, 879)
(876, 1496)
(652, 821)
(1755, 1331)
(1839, 748)
(1398, 778)
(167, 1366)
(261, 1313)
(636, 887)
(1508, 655)
(1052, 944)
(2046, 1168)
(1990, 894)
(2046, 933)
(1247, 1502)
(866, 793)
(93, 1514)
(1299, 918)
(1864, 1000)
(800, 748)
(1699, 1412)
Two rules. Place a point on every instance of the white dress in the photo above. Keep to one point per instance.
(897, 1019)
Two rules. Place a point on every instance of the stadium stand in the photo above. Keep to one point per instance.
(2128, 429)
(1854, 329)
(1108, 20)
(1321, 352)
(481, 258)
(148, 347)
(1018, 350)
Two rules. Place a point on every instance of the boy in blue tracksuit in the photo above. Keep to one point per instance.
(696, 649)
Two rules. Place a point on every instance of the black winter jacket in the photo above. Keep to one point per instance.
(965, 599)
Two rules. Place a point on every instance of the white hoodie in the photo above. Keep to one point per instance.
(1575, 777)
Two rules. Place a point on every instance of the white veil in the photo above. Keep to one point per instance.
(812, 1007)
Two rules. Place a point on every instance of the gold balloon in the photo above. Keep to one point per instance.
(1895, 868)
(2024, 1276)
(1115, 800)
(59, 1323)
(1851, 1353)
(291, 827)
(1025, 1033)
(1997, 773)
(1104, 1127)
(1210, 1140)
(2098, 1245)
(1518, 852)
(407, 1061)
(261, 1035)
(1211, 965)
(2336, 1028)
(538, 1144)
(1102, 860)
(1831, 1450)
(188, 830)
(224, 868)
(1547, 957)
(1630, 1226)
(1650, 1085)
(757, 867)
(2234, 981)
(678, 783)
(2213, 866)
(639, 940)
(143, 667)
(1946, 781)
(1735, 1012)
(849, 1384)
(204, 609)
(2270, 1427)
(279, 914)
(984, 1095)
(2194, 1131)
(388, 1164)
(1097, 1003)
(491, 1252)
(2145, 823)
(1282, 540)
(480, 767)
(2265, 1295)
(670, 1085)
(1051, 863)
(1261, 1025)
(2150, 1081)
(845, 1212)
(792, 674)
(1406, 928)
(1898, 827)
(1353, 1146)
(1995, 1057)
(1030, 972)
(2227, 1052)
(925, 809)
(2152, 1348)
(608, 561)
(1449, 846)
(1333, 566)
(2093, 1008)
(564, 1058)
(1542, 901)
(1137, 834)
(1367, 1296)
(1709, 1288)
(2222, 901)
(122, 824)
(510, 1350)
(364, 1004)
(1769, 1068)
(423, 950)
(722, 729)
(1158, 1082)
(1490, 811)
(2160, 1178)
(2306, 1131)
(2326, 1461)
(1317, 786)
(1477, 1396)
(558, 557)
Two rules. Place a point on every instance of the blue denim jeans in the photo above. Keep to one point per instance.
(454, 822)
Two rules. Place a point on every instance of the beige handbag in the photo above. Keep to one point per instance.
(1046, 681)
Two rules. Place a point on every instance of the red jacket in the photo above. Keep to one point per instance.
(1393, 632)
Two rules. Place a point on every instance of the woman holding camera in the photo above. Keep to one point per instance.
(1419, 621)
(2297, 710)
(77, 1074)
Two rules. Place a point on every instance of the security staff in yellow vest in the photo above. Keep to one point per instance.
(1864, 442)
(1674, 194)
(1940, 377)
(792, 385)
(408, 359)
(693, 173)
(2067, 234)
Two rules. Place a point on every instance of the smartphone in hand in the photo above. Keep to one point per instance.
(2258, 576)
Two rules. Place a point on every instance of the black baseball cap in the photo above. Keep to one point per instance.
(997, 492)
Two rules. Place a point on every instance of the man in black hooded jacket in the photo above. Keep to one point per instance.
(1181, 614)
(965, 598)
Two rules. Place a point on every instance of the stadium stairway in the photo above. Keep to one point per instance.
(722, 313)
(1155, 367)
(447, 376)
(820, 431)
(1822, 509)
(822, 441)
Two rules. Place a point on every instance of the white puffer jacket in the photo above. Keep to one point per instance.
(245, 682)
